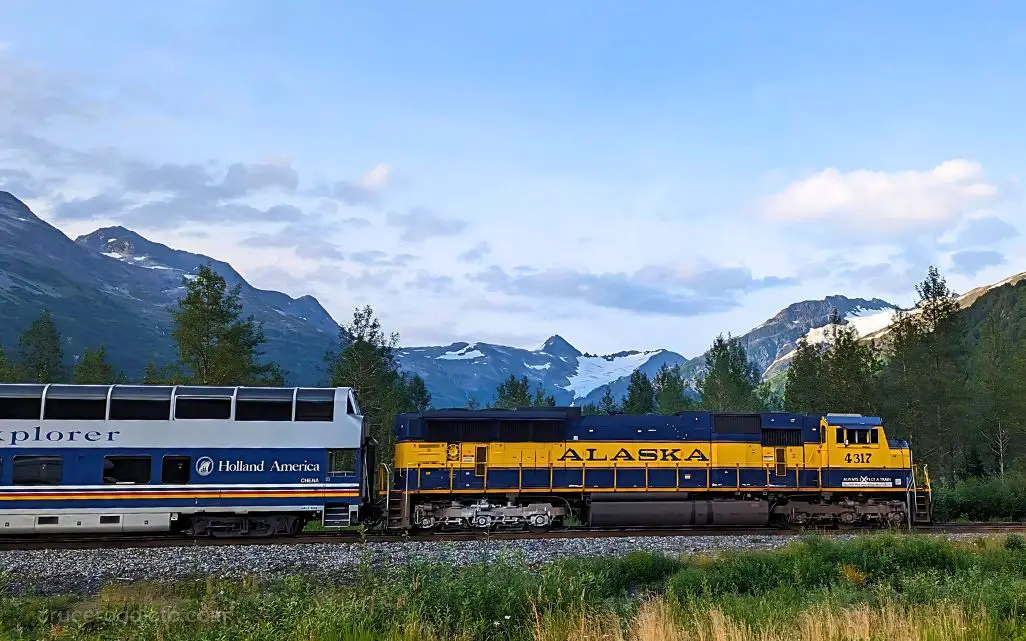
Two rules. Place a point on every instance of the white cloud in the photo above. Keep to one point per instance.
(885, 201)
(377, 179)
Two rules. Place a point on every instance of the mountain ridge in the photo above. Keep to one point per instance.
(112, 286)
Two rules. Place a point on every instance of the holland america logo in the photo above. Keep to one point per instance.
(204, 466)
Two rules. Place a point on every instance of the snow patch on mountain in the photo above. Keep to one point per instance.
(864, 321)
(467, 353)
(595, 371)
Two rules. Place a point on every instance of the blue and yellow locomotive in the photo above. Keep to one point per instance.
(536, 467)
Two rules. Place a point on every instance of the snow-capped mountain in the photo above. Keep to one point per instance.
(867, 320)
(459, 372)
(113, 286)
(770, 344)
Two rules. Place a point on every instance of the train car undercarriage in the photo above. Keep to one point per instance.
(660, 510)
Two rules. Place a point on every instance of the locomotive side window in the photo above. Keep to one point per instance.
(840, 435)
(874, 436)
(126, 469)
(175, 470)
(858, 437)
(37, 470)
(200, 408)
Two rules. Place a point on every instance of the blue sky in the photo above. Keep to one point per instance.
(628, 175)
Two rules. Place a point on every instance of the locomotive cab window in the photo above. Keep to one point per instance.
(37, 470)
(858, 437)
(840, 435)
(122, 470)
(175, 470)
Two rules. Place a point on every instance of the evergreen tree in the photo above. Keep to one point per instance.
(541, 399)
(366, 362)
(768, 400)
(216, 346)
(42, 355)
(944, 368)
(513, 393)
(730, 381)
(416, 390)
(8, 370)
(472, 404)
(590, 409)
(93, 368)
(897, 387)
(849, 369)
(607, 405)
(640, 397)
(923, 390)
(804, 380)
(997, 392)
(151, 376)
(670, 390)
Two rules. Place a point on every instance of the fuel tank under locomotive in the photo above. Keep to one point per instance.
(619, 510)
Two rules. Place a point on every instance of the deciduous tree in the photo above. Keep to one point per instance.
(216, 346)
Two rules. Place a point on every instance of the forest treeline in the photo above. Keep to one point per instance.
(217, 345)
(952, 381)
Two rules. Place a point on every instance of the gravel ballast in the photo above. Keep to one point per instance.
(54, 572)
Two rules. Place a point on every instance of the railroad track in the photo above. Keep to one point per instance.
(320, 537)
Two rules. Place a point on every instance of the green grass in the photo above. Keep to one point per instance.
(907, 584)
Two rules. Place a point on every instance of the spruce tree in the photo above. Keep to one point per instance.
(93, 368)
(513, 393)
(671, 390)
(998, 401)
(730, 381)
(8, 370)
(216, 346)
(944, 383)
(607, 405)
(151, 376)
(640, 397)
(366, 362)
(541, 399)
(416, 389)
(849, 369)
(42, 356)
(804, 380)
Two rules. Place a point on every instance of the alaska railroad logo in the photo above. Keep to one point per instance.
(643, 454)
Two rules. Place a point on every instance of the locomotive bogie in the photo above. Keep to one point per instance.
(484, 514)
